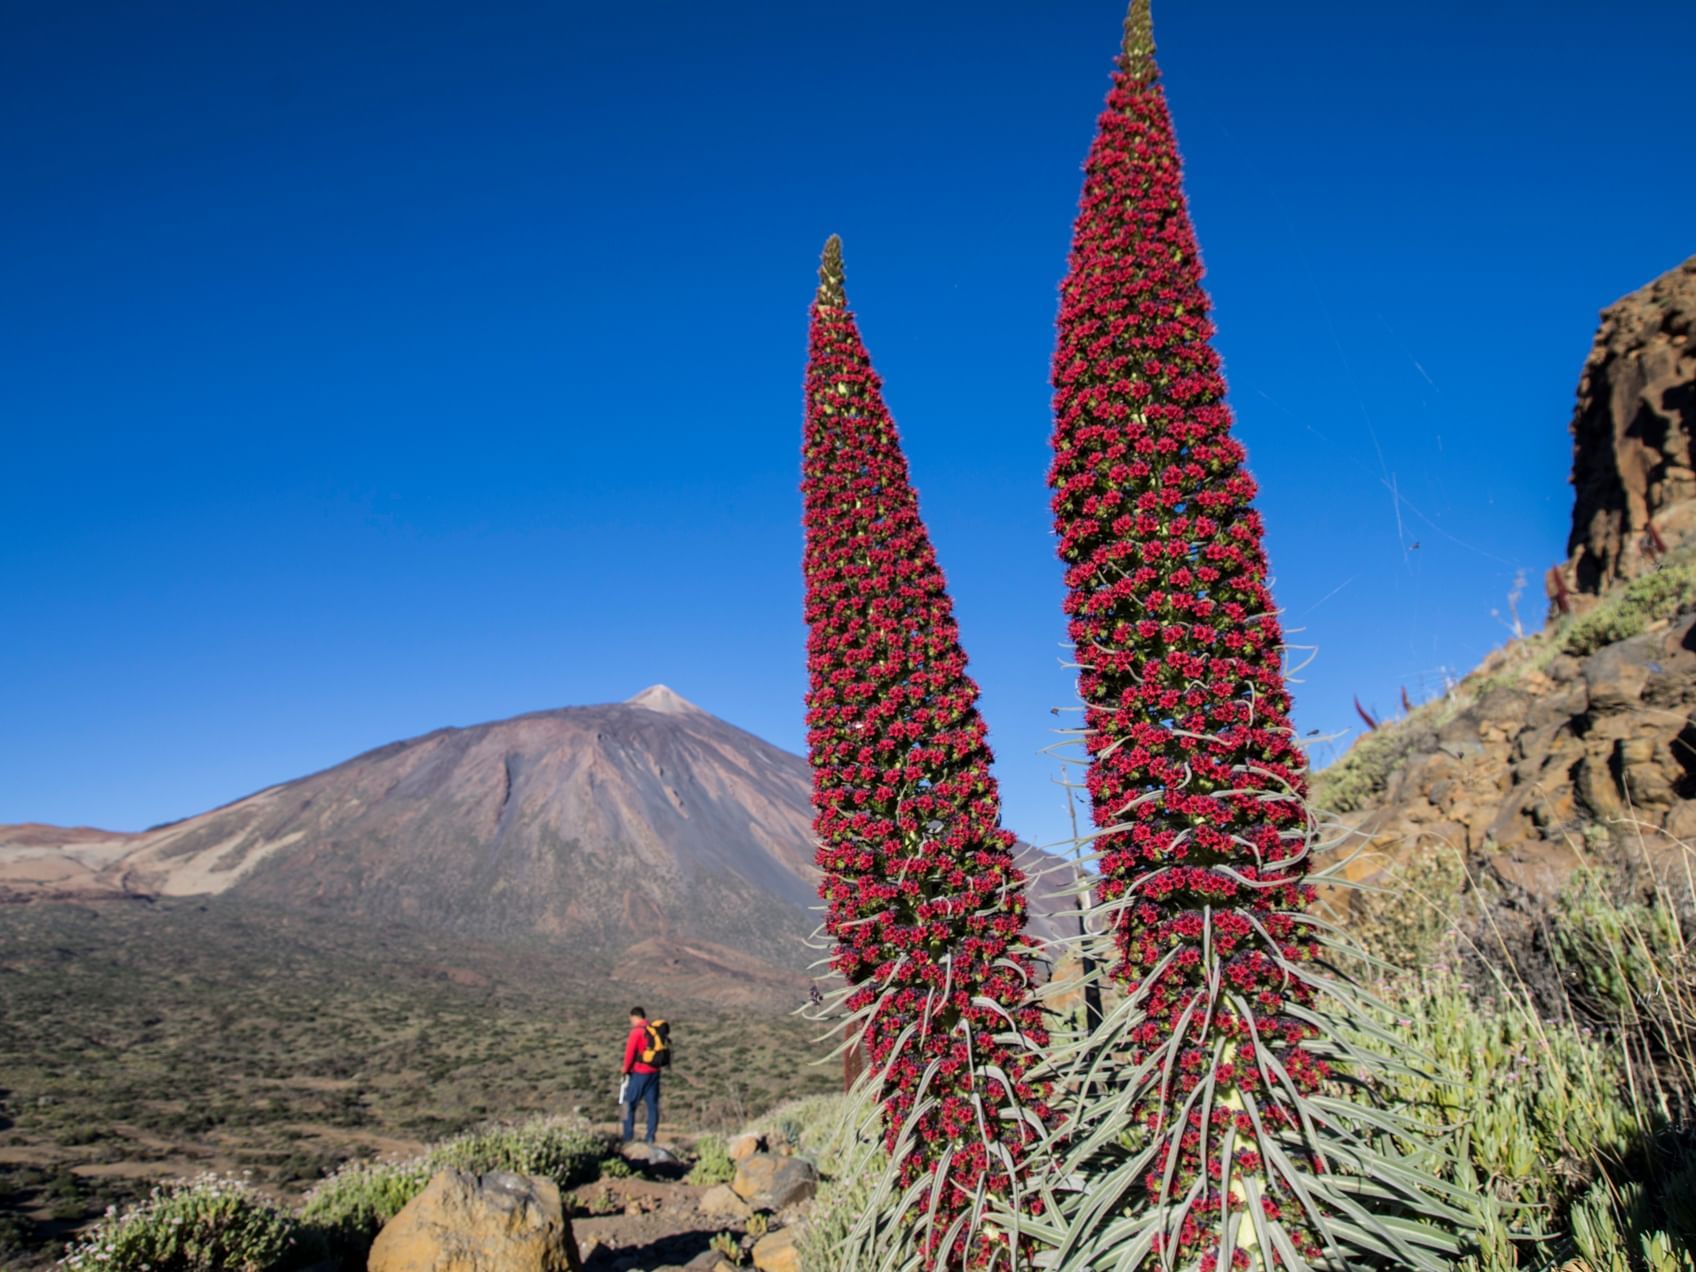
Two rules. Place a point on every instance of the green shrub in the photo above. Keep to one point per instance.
(727, 1247)
(1629, 611)
(845, 1142)
(1538, 1101)
(809, 1125)
(712, 1162)
(1404, 919)
(1629, 966)
(1575, 1135)
(562, 1149)
(347, 1209)
(209, 1224)
(1364, 770)
(616, 1168)
(1647, 1220)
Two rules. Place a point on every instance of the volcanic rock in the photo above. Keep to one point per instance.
(778, 1252)
(1632, 431)
(721, 1202)
(768, 1182)
(461, 1222)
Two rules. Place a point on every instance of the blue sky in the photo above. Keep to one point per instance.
(374, 367)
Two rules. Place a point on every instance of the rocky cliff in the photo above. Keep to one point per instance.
(1574, 746)
(1633, 474)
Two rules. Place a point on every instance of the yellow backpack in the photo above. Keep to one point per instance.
(658, 1050)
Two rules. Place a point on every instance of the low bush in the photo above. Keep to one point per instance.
(843, 1137)
(712, 1162)
(1574, 1134)
(808, 1125)
(616, 1168)
(208, 1224)
(1365, 769)
(1629, 611)
(348, 1208)
(1641, 1213)
(562, 1149)
(1630, 972)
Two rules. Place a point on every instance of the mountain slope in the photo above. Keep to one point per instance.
(647, 830)
(612, 825)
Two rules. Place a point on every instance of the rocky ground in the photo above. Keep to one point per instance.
(653, 1220)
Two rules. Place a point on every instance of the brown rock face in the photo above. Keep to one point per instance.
(1482, 823)
(479, 1223)
(767, 1182)
(743, 1147)
(778, 1252)
(1632, 467)
(1514, 779)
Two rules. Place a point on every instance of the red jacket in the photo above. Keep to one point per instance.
(634, 1046)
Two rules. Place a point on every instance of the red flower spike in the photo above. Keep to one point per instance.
(1197, 785)
(923, 900)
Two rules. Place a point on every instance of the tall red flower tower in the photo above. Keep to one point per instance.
(923, 901)
(1222, 1150)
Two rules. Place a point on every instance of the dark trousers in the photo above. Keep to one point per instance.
(644, 1088)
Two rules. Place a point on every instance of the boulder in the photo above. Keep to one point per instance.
(463, 1222)
(1594, 782)
(769, 1182)
(1681, 822)
(778, 1252)
(1616, 676)
(1537, 867)
(648, 1154)
(1645, 765)
(745, 1146)
(721, 1202)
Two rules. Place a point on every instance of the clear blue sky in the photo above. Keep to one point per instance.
(374, 367)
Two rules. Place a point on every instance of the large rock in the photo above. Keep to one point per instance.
(745, 1146)
(778, 1252)
(1632, 430)
(768, 1182)
(721, 1202)
(647, 1154)
(462, 1222)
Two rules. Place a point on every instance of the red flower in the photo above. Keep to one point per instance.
(922, 897)
(1197, 784)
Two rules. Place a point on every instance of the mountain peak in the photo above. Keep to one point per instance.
(663, 699)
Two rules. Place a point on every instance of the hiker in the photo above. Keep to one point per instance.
(645, 1046)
